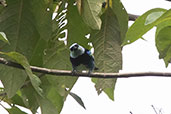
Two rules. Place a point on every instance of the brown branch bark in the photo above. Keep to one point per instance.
(93, 75)
(133, 17)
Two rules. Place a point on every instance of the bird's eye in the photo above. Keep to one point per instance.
(72, 49)
(76, 45)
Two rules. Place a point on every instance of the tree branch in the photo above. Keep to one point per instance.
(93, 75)
(133, 17)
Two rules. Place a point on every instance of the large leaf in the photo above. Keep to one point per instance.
(90, 11)
(46, 106)
(163, 43)
(77, 29)
(52, 93)
(18, 22)
(27, 24)
(122, 17)
(42, 11)
(145, 22)
(56, 98)
(108, 57)
(12, 79)
(28, 95)
(17, 99)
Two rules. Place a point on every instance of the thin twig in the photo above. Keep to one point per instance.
(154, 109)
(93, 75)
(130, 112)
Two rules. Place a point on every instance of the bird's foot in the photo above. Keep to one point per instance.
(74, 72)
(89, 73)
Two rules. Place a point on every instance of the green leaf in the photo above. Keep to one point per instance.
(28, 26)
(12, 79)
(122, 17)
(3, 37)
(23, 61)
(145, 22)
(28, 95)
(163, 43)
(108, 57)
(56, 98)
(78, 99)
(46, 106)
(42, 11)
(152, 17)
(15, 110)
(106, 85)
(90, 10)
(52, 93)
(18, 23)
(76, 32)
(163, 25)
(17, 99)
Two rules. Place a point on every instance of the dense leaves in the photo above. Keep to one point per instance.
(39, 32)
(155, 17)
(143, 24)
(23, 61)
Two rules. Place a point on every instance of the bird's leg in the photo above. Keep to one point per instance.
(89, 72)
(91, 67)
(74, 70)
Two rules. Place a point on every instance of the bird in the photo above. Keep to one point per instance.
(80, 55)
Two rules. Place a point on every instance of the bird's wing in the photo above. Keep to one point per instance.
(89, 52)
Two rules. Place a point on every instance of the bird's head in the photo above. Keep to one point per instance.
(76, 50)
(74, 47)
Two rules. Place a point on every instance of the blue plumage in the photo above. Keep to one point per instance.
(80, 55)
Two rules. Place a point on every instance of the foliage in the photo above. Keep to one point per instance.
(155, 17)
(39, 32)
